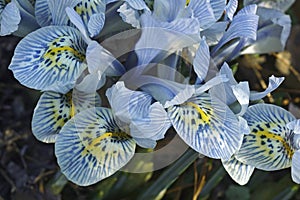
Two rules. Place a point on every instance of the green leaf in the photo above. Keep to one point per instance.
(159, 186)
(237, 192)
(213, 182)
(288, 193)
(57, 183)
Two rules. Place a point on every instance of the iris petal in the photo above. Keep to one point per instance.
(50, 58)
(267, 146)
(10, 19)
(238, 171)
(274, 83)
(296, 167)
(207, 125)
(53, 110)
(201, 61)
(91, 147)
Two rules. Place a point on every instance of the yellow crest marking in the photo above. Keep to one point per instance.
(270, 135)
(204, 116)
(97, 140)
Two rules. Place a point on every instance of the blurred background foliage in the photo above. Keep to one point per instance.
(28, 169)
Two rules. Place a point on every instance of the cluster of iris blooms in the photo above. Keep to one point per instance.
(161, 64)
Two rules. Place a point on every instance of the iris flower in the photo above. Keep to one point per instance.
(272, 144)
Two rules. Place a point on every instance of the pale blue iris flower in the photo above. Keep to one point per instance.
(272, 144)
(272, 33)
(212, 115)
(17, 17)
(203, 121)
(56, 58)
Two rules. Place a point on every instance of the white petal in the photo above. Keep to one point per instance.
(238, 171)
(274, 83)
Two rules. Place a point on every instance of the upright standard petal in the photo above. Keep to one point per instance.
(243, 28)
(203, 12)
(135, 109)
(168, 10)
(207, 125)
(9, 18)
(202, 60)
(224, 90)
(237, 170)
(87, 9)
(52, 12)
(231, 8)
(50, 58)
(274, 83)
(242, 92)
(91, 147)
(160, 39)
(268, 146)
(273, 30)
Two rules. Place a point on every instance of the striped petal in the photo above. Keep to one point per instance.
(136, 4)
(50, 58)
(91, 147)
(160, 39)
(282, 5)
(9, 19)
(243, 28)
(53, 110)
(52, 12)
(42, 13)
(207, 125)
(88, 8)
(201, 61)
(95, 24)
(273, 31)
(238, 171)
(203, 12)
(231, 8)
(267, 147)
(296, 167)
(58, 10)
(168, 10)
